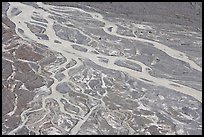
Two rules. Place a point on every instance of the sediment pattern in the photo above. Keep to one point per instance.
(71, 71)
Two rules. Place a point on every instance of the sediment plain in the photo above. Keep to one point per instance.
(81, 68)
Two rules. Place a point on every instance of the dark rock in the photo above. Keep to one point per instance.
(6, 69)
(26, 53)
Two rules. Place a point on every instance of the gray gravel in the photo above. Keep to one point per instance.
(182, 13)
